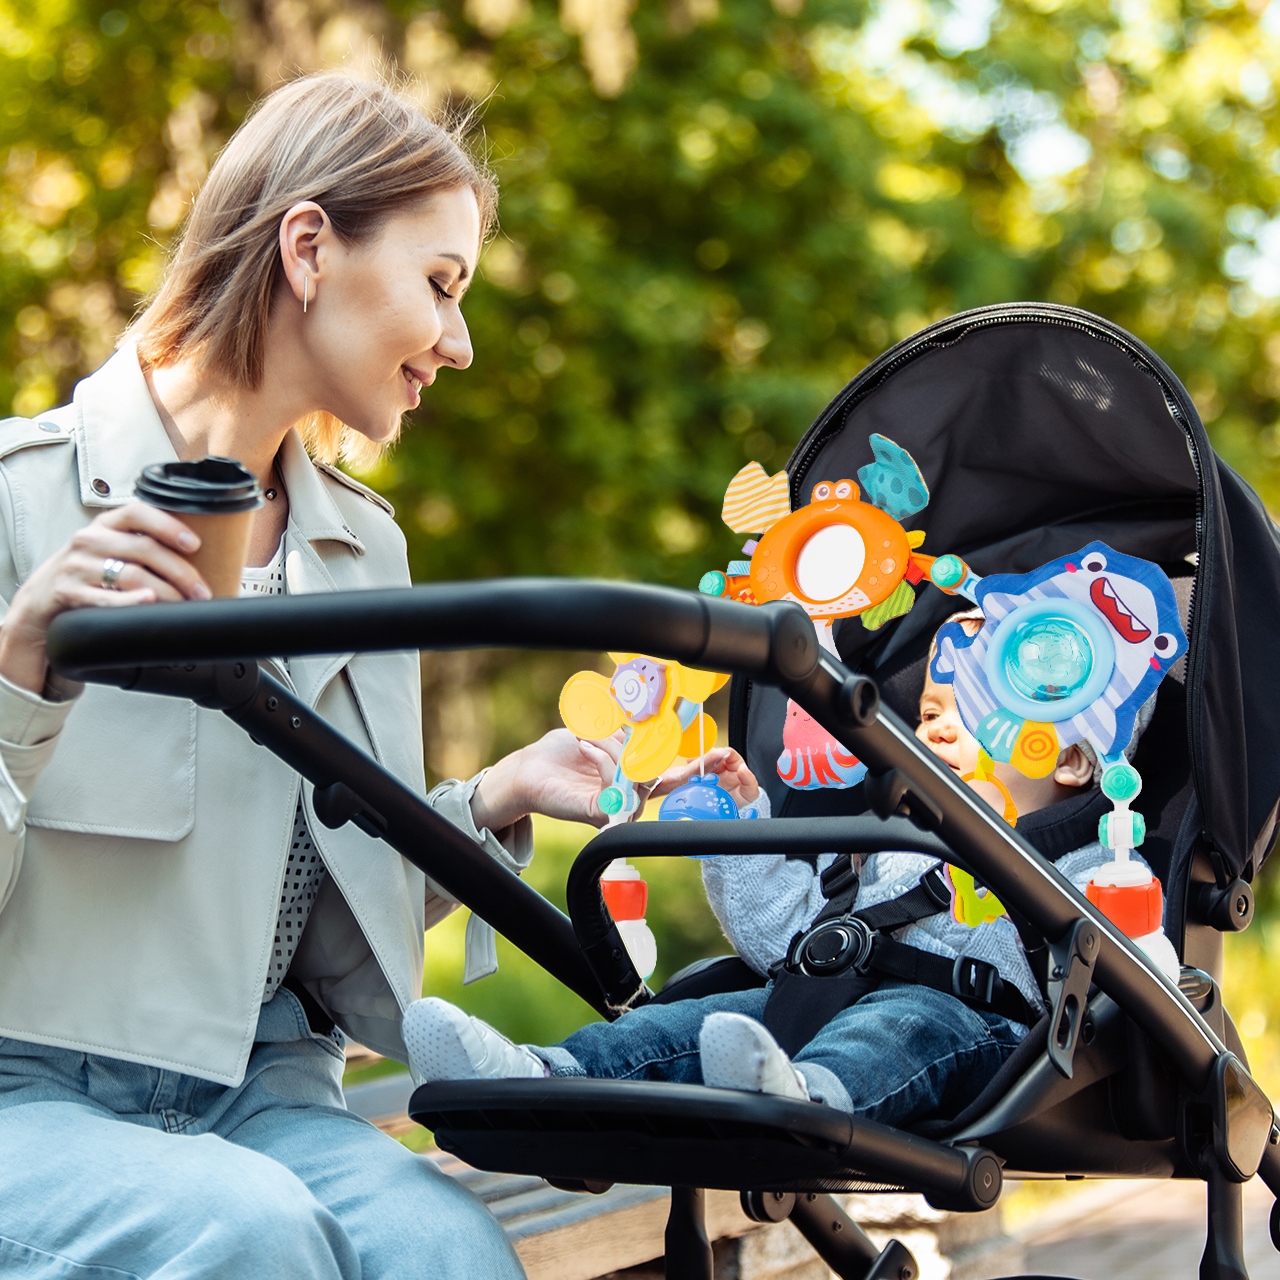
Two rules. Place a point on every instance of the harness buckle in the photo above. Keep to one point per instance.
(832, 948)
(974, 980)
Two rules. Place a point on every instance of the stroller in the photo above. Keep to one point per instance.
(1040, 429)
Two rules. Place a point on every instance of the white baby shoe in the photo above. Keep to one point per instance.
(738, 1053)
(446, 1044)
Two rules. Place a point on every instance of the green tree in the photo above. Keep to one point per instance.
(714, 213)
(694, 261)
(108, 118)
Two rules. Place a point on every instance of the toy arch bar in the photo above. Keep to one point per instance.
(158, 648)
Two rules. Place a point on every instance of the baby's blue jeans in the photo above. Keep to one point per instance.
(901, 1054)
(111, 1171)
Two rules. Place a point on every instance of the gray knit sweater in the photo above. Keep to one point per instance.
(763, 902)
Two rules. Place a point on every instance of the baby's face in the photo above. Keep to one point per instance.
(942, 731)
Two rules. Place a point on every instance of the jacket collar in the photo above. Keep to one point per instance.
(313, 514)
(119, 432)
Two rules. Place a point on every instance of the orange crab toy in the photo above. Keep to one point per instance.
(836, 557)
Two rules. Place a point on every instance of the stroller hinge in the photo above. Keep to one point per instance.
(891, 794)
(1071, 961)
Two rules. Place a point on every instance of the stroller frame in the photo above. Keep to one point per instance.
(1173, 1045)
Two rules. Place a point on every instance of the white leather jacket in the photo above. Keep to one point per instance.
(143, 840)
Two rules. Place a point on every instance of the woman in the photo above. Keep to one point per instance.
(178, 934)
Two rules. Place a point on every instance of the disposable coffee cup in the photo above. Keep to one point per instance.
(215, 498)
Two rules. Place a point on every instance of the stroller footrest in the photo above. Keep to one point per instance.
(675, 1134)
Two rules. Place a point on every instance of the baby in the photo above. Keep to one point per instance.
(902, 1053)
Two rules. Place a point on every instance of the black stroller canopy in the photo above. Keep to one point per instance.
(1038, 430)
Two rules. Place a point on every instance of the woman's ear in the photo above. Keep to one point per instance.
(1074, 768)
(304, 233)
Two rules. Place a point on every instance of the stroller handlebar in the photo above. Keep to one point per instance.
(774, 642)
(140, 647)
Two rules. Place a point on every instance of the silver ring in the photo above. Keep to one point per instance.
(111, 571)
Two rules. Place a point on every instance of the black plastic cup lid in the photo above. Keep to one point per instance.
(208, 486)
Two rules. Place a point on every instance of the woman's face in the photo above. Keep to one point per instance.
(385, 314)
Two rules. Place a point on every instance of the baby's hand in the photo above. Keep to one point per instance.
(726, 764)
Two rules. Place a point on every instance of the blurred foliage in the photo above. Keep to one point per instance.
(714, 213)
(1251, 988)
(103, 120)
(690, 269)
(1251, 984)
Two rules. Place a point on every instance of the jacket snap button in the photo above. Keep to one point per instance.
(101, 487)
(49, 426)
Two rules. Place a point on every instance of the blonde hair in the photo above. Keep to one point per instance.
(361, 151)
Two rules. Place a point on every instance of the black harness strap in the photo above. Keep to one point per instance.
(974, 981)
(799, 1006)
(929, 897)
(840, 886)
(844, 955)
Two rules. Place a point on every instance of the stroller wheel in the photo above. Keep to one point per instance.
(1275, 1225)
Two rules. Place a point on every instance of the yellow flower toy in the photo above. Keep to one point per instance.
(657, 704)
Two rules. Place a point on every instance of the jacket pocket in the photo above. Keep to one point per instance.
(125, 765)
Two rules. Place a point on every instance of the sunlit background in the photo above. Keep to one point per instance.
(714, 213)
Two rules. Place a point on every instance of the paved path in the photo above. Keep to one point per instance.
(1156, 1233)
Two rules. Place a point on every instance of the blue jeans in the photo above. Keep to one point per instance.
(901, 1054)
(112, 1171)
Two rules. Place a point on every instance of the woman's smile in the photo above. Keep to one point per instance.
(416, 381)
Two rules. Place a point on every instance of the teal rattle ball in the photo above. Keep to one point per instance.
(1121, 782)
(947, 572)
(611, 800)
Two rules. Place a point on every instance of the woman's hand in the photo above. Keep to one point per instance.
(148, 541)
(562, 777)
(559, 775)
(728, 766)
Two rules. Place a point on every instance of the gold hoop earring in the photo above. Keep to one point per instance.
(306, 289)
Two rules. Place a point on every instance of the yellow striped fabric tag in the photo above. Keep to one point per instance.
(755, 501)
